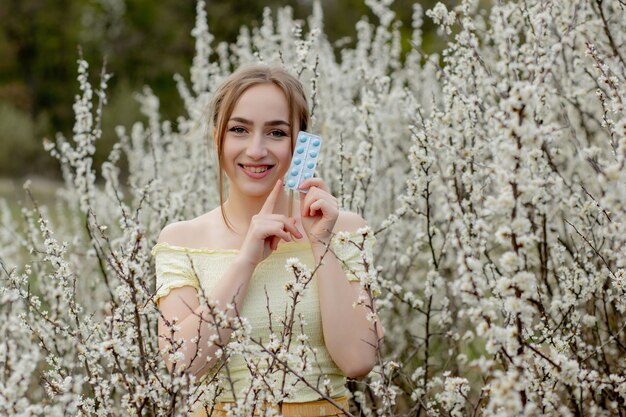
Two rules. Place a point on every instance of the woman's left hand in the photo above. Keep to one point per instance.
(319, 211)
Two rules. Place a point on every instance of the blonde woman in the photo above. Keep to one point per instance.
(236, 253)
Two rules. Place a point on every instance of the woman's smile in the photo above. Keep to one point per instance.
(256, 172)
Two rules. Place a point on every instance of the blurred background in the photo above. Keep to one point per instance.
(143, 42)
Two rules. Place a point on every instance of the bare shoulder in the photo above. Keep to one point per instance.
(349, 222)
(175, 233)
(188, 233)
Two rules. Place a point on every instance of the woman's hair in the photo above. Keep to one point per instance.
(231, 89)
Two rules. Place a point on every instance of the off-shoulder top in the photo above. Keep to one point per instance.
(174, 270)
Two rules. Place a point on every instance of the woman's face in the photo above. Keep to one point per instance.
(257, 141)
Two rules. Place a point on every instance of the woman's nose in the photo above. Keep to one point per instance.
(256, 147)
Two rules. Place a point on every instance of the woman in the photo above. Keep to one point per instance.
(236, 253)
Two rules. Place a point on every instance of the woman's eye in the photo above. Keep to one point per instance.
(237, 129)
(278, 133)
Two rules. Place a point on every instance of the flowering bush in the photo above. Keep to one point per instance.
(493, 176)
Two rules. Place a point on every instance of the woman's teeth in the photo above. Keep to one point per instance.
(256, 170)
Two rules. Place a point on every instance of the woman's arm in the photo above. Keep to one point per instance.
(351, 339)
(183, 304)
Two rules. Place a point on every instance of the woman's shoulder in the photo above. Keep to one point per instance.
(174, 233)
(199, 233)
(179, 233)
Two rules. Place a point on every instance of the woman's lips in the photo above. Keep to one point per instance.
(256, 175)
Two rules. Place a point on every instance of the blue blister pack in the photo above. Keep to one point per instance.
(304, 160)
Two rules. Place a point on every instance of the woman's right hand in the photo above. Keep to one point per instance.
(266, 229)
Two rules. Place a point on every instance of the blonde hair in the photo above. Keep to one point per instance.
(229, 92)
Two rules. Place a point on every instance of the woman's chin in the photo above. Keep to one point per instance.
(258, 188)
(255, 187)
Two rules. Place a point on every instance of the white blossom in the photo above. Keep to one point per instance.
(491, 174)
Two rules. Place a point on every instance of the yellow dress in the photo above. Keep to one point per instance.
(267, 287)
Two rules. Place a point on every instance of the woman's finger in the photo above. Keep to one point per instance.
(280, 234)
(325, 206)
(313, 195)
(282, 222)
(315, 206)
(314, 182)
(281, 229)
(270, 201)
(305, 201)
(274, 242)
(280, 218)
(289, 226)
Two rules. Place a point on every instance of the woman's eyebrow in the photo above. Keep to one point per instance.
(249, 122)
(240, 120)
(277, 123)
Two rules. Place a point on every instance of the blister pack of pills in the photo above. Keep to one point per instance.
(304, 160)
